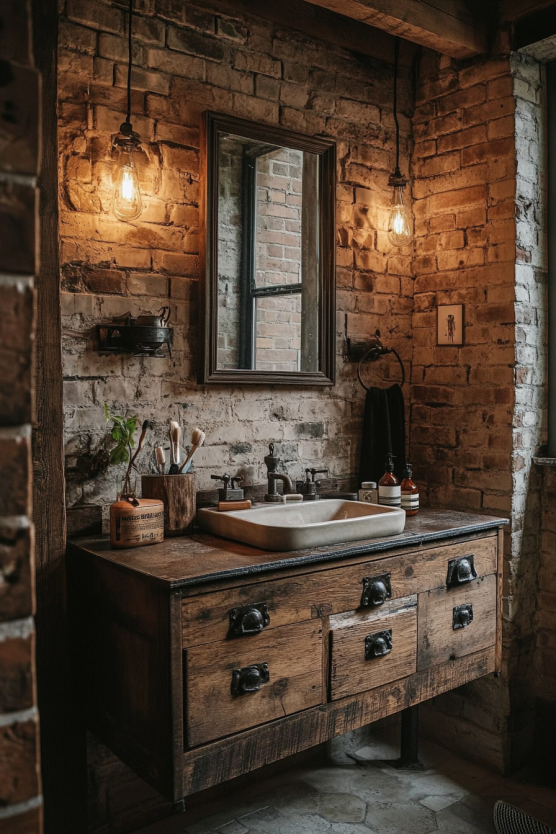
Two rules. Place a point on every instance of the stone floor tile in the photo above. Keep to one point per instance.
(476, 811)
(455, 824)
(376, 752)
(294, 798)
(342, 807)
(438, 803)
(233, 827)
(408, 817)
(349, 828)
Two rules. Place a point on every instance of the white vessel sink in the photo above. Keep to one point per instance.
(304, 525)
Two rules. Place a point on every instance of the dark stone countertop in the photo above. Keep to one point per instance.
(201, 558)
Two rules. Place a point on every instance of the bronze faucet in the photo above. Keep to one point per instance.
(273, 496)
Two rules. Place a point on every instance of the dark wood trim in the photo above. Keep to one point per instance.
(62, 742)
(455, 28)
(212, 124)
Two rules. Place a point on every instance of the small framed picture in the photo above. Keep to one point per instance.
(450, 325)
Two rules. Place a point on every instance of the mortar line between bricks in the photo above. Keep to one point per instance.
(14, 629)
(21, 807)
(19, 717)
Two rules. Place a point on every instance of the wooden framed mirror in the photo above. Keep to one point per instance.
(267, 254)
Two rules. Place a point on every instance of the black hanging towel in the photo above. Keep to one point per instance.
(383, 432)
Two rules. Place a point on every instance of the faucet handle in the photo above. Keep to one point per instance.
(316, 472)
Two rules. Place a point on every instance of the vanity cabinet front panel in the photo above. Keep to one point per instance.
(371, 649)
(456, 622)
(369, 584)
(241, 683)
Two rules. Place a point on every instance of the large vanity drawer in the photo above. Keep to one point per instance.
(238, 684)
(371, 649)
(208, 618)
(456, 622)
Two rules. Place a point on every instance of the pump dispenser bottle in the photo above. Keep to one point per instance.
(410, 492)
(389, 490)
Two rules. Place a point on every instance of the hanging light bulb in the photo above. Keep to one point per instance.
(399, 227)
(126, 194)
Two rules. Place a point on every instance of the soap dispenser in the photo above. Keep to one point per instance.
(410, 492)
(389, 490)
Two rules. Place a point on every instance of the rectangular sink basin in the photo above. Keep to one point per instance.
(301, 526)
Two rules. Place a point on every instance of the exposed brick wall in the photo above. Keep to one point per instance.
(190, 58)
(477, 411)
(20, 800)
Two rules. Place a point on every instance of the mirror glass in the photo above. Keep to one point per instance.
(267, 256)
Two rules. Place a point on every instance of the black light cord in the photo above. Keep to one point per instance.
(128, 118)
(396, 58)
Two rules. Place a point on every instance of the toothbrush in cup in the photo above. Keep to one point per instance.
(197, 440)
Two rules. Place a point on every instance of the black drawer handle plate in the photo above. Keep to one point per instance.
(461, 571)
(376, 590)
(249, 679)
(462, 616)
(378, 644)
(248, 619)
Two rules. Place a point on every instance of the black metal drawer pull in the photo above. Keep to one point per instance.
(376, 590)
(378, 644)
(249, 679)
(248, 619)
(461, 571)
(462, 616)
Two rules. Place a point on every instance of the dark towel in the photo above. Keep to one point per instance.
(383, 432)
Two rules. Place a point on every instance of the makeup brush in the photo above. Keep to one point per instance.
(160, 459)
(175, 434)
(197, 440)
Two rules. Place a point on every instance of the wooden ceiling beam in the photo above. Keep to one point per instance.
(448, 26)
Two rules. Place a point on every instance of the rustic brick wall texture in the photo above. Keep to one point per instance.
(477, 411)
(20, 800)
(190, 58)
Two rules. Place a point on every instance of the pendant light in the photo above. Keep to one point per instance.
(126, 195)
(399, 228)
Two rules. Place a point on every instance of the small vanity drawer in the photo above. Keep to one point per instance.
(456, 622)
(369, 650)
(238, 684)
(210, 617)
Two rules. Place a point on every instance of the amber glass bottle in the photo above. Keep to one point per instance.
(389, 492)
(410, 492)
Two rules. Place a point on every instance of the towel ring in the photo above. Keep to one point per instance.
(379, 350)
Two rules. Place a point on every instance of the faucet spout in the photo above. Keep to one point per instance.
(279, 476)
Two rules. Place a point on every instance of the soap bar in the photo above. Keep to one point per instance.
(228, 506)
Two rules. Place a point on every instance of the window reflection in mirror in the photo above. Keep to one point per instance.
(268, 256)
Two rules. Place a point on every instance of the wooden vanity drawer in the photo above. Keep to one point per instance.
(371, 649)
(456, 622)
(206, 618)
(288, 678)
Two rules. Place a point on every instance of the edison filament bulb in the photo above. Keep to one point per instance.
(126, 199)
(399, 229)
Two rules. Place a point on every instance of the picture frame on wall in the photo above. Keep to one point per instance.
(450, 328)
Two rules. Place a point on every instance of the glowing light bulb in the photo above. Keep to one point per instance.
(399, 229)
(126, 199)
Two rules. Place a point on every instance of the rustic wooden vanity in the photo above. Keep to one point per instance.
(202, 659)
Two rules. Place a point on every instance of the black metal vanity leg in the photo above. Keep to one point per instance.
(178, 807)
(409, 745)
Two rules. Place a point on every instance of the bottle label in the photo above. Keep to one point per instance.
(369, 496)
(390, 496)
(410, 501)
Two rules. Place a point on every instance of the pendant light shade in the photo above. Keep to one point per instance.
(399, 226)
(126, 194)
